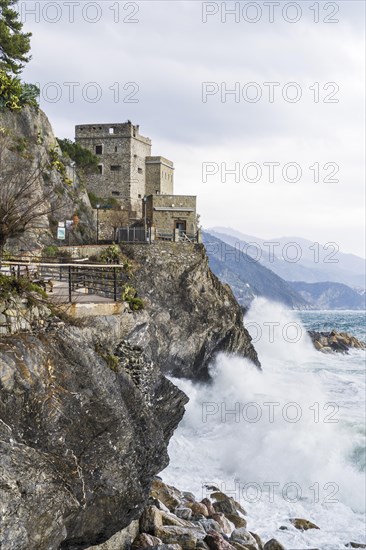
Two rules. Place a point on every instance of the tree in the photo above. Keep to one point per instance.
(117, 218)
(25, 202)
(14, 44)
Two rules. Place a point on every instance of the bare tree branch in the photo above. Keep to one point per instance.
(25, 199)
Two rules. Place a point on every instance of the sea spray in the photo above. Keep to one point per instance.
(286, 441)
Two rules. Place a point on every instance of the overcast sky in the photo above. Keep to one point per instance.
(298, 101)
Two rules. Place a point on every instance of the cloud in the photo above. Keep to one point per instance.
(170, 52)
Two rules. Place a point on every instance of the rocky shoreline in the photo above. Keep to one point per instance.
(334, 341)
(175, 520)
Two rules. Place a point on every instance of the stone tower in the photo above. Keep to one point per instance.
(159, 176)
(122, 152)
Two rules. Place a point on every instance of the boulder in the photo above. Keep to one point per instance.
(121, 540)
(215, 541)
(188, 497)
(156, 502)
(249, 546)
(226, 506)
(183, 513)
(151, 520)
(237, 520)
(144, 540)
(303, 524)
(186, 537)
(258, 540)
(339, 342)
(273, 544)
(168, 495)
(199, 509)
(210, 525)
(242, 536)
(209, 506)
(223, 522)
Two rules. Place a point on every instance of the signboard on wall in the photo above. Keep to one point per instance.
(61, 233)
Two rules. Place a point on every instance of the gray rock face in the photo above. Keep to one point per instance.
(80, 438)
(190, 315)
(334, 341)
(33, 128)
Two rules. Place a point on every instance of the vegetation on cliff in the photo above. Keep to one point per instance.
(85, 162)
(14, 50)
(23, 204)
(39, 186)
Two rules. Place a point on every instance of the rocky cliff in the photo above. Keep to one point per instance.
(32, 134)
(189, 314)
(85, 411)
(82, 433)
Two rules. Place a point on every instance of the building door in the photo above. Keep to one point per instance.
(181, 226)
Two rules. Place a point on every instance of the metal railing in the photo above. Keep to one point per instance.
(139, 235)
(132, 235)
(105, 280)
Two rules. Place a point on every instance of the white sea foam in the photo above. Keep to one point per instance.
(277, 467)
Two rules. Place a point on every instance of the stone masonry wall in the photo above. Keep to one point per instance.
(165, 220)
(124, 149)
(159, 176)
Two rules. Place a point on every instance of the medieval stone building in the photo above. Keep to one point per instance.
(143, 185)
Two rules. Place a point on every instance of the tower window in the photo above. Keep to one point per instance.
(100, 169)
(99, 149)
(115, 168)
(139, 170)
(111, 130)
(116, 149)
(116, 193)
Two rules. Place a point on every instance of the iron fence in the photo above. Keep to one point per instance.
(101, 280)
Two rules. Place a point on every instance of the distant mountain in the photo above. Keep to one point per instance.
(330, 295)
(316, 263)
(247, 278)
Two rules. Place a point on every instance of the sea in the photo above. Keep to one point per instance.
(287, 441)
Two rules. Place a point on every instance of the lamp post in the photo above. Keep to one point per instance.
(98, 206)
(145, 217)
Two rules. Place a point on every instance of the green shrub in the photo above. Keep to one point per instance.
(19, 286)
(84, 159)
(57, 164)
(129, 295)
(51, 251)
(111, 255)
(110, 203)
(14, 95)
